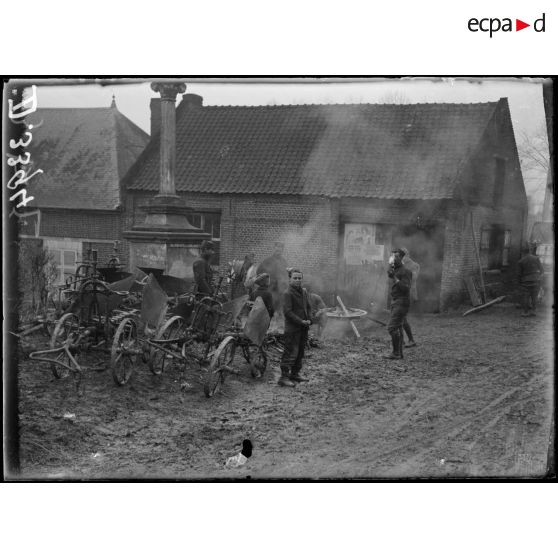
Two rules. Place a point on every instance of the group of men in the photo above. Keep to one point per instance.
(280, 288)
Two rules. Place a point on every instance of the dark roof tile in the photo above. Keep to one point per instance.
(83, 153)
(383, 151)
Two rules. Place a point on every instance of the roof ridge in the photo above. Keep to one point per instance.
(276, 106)
(75, 108)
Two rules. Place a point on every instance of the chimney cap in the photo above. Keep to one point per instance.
(192, 100)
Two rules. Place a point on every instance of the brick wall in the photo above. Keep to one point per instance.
(310, 228)
(307, 226)
(100, 226)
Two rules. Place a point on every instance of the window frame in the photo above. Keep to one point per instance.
(495, 245)
(199, 219)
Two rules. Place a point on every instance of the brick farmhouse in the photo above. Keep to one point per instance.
(341, 185)
(83, 153)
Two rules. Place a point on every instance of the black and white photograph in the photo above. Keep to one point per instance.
(279, 278)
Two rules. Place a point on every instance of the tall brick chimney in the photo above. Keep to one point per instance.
(192, 101)
(166, 240)
(155, 106)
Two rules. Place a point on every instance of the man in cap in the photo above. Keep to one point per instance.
(297, 312)
(400, 301)
(203, 274)
(530, 271)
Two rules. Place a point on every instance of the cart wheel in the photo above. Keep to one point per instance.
(257, 359)
(220, 363)
(175, 328)
(123, 353)
(65, 333)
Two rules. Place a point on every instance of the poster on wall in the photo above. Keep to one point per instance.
(360, 244)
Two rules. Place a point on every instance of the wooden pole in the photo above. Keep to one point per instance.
(346, 312)
(478, 257)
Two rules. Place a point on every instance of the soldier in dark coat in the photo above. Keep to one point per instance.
(203, 274)
(297, 312)
(400, 301)
(261, 284)
(530, 272)
(276, 267)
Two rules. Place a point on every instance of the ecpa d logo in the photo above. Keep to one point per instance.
(492, 25)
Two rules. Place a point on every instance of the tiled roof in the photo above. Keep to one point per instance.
(83, 153)
(384, 151)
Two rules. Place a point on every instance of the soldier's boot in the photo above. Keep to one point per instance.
(401, 342)
(296, 377)
(284, 380)
(396, 344)
(409, 332)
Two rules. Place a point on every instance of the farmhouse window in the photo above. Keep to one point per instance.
(66, 255)
(495, 244)
(208, 222)
(545, 253)
(65, 261)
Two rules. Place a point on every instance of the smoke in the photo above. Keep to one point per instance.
(378, 160)
(360, 147)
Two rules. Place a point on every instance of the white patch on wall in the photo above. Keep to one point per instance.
(67, 254)
(360, 244)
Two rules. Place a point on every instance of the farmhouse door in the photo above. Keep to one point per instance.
(426, 247)
(362, 280)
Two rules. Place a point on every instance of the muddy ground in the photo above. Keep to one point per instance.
(474, 398)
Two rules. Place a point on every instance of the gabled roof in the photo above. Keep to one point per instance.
(83, 153)
(370, 150)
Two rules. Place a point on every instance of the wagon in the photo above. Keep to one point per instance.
(88, 325)
(163, 334)
(247, 337)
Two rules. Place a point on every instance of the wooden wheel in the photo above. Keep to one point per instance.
(173, 331)
(66, 334)
(220, 364)
(123, 354)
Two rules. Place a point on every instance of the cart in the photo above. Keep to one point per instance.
(88, 325)
(167, 335)
(247, 335)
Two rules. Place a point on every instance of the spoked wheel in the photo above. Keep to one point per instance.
(173, 329)
(66, 334)
(257, 359)
(221, 363)
(123, 354)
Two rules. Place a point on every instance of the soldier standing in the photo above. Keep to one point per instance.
(400, 302)
(203, 274)
(297, 311)
(530, 272)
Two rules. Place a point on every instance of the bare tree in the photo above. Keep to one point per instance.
(533, 151)
(37, 273)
